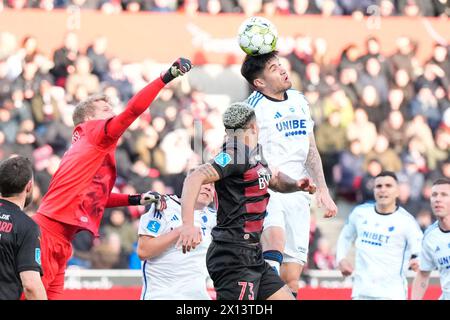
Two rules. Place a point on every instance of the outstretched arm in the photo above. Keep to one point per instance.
(142, 100)
(190, 236)
(315, 170)
(124, 200)
(283, 183)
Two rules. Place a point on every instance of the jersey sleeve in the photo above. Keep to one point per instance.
(231, 162)
(29, 250)
(426, 262)
(414, 236)
(346, 237)
(152, 223)
(304, 105)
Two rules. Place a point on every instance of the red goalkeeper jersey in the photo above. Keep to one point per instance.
(81, 187)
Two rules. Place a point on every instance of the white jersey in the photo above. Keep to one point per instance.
(174, 275)
(436, 255)
(384, 245)
(284, 131)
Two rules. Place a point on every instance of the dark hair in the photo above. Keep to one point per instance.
(15, 173)
(441, 181)
(387, 174)
(253, 66)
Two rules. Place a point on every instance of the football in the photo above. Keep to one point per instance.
(257, 35)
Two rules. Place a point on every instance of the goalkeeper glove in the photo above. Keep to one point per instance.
(149, 198)
(178, 68)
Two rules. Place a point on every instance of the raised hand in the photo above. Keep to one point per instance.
(178, 68)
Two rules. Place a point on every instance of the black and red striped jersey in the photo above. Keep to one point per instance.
(242, 193)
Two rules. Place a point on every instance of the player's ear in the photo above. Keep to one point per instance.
(258, 83)
(29, 186)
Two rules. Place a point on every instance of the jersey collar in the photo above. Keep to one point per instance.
(385, 214)
(275, 100)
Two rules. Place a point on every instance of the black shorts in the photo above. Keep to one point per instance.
(239, 272)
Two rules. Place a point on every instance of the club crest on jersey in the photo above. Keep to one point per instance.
(264, 178)
(222, 159)
(154, 226)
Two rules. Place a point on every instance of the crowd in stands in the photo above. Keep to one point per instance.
(356, 8)
(372, 112)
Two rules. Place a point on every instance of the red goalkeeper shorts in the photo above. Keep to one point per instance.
(56, 250)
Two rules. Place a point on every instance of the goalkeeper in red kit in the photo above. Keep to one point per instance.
(80, 189)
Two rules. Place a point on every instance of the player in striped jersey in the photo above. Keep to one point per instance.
(235, 260)
(436, 244)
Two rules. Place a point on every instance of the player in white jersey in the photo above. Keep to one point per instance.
(168, 273)
(435, 252)
(286, 134)
(387, 241)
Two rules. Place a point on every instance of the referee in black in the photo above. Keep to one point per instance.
(20, 253)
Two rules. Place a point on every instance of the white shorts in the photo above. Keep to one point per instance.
(291, 211)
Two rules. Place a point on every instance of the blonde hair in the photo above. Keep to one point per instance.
(238, 116)
(86, 108)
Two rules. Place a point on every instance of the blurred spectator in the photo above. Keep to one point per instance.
(412, 176)
(401, 59)
(44, 175)
(397, 102)
(251, 7)
(394, 128)
(403, 82)
(426, 104)
(108, 253)
(331, 140)
(82, 245)
(349, 171)
(363, 130)
(302, 7)
(82, 77)
(301, 55)
(96, 52)
(389, 160)
(387, 8)
(424, 218)
(116, 77)
(373, 76)
(28, 81)
(348, 78)
(337, 101)
(365, 193)
(404, 197)
(120, 225)
(323, 259)
(372, 104)
(64, 59)
(350, 58)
